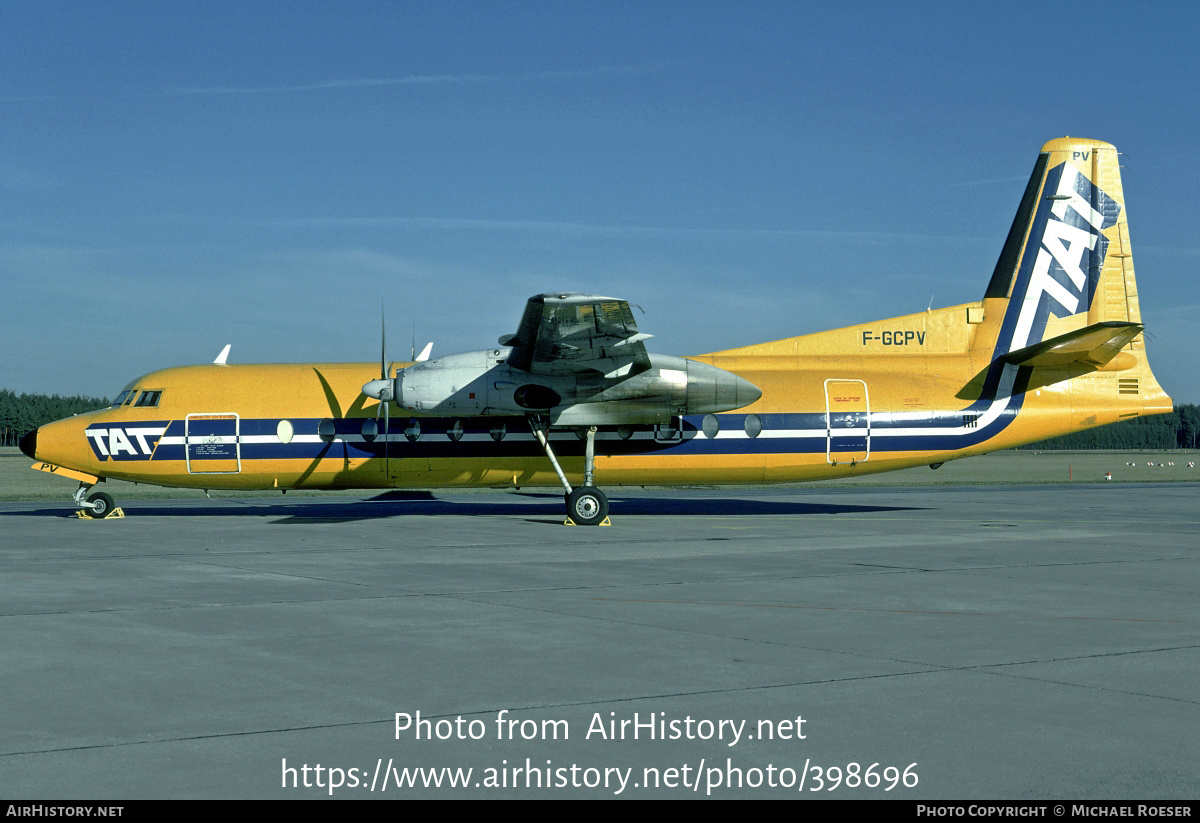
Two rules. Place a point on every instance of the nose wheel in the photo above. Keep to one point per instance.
(98, 505)
(101, 504)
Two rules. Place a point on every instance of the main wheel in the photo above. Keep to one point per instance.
(101, 505)
(587, 506)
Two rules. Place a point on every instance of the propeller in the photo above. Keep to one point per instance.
(383, 389)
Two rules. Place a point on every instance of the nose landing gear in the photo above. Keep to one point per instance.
(98, 505)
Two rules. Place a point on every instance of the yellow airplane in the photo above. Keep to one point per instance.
(1055, 346)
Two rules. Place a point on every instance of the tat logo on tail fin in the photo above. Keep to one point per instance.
(1063, 257)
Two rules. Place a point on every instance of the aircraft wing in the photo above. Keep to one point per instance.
(572, 333)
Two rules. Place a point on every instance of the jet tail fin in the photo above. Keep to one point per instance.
(1067, 262)
(1064, 285)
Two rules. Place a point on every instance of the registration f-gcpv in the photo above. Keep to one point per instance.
(574, 398)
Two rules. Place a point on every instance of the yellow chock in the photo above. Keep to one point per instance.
(604, 522)
(115, 514)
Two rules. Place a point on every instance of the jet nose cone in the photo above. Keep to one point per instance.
(28, 444)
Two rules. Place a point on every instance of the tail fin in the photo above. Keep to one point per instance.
(1067, 264)
(1065, 280)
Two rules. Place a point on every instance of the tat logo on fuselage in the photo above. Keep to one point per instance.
(128, 441)
(1061, 278)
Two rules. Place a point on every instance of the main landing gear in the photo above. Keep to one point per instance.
(586, 505)
(98, 505)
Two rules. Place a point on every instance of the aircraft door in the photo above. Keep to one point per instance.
(212, 443)
(847, 421)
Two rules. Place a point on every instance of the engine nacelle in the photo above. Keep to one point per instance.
(482, 383)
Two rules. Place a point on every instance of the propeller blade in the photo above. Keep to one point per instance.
(383, 388)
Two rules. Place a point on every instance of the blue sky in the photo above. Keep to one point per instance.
(175, 177)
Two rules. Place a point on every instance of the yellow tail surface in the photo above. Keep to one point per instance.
(1057, 336)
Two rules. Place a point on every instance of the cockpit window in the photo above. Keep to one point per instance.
(614, 318)
(129, 399)
(121, 398)
(149, 398)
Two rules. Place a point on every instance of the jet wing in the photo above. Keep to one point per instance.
(572, 333)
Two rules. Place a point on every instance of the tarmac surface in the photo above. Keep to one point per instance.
(1009, 642)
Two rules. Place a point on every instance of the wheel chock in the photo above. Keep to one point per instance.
(604, 522)
(116, 514)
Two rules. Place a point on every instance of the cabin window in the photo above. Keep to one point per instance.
(284, 431)
(149, 398)
(711, 425)
(326, 430)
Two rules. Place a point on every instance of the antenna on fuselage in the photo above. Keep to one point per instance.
(220, 361)
(424, 355)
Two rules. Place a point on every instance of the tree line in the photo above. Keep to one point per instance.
(20, 413)
(1178, 430)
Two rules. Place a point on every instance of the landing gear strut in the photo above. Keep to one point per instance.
(586, 505)
(98, 505)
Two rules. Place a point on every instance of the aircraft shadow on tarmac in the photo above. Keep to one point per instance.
(523, 504)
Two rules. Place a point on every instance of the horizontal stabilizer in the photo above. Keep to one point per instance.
(1095, 344)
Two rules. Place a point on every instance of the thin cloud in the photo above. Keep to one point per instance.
(416, 80)
(1168, 251)
(596, 229)
(990, 182)
(12, 177)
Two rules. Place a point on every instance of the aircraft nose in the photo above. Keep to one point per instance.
(28, 444)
